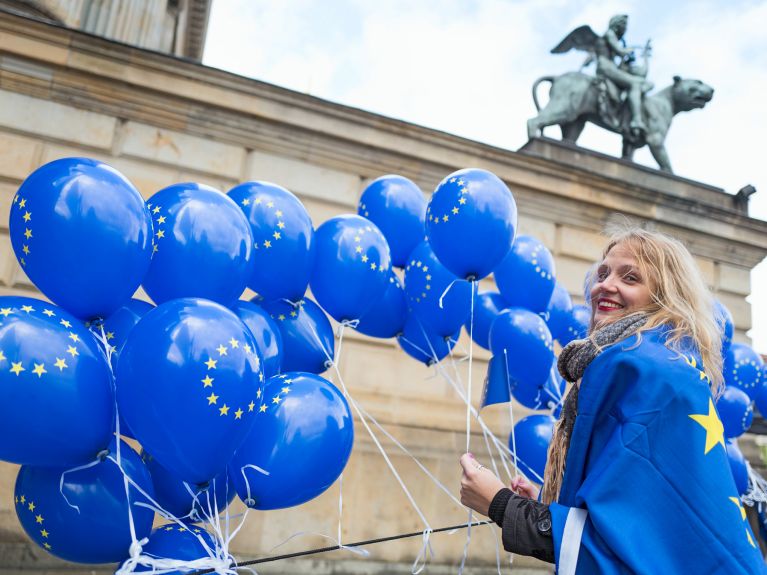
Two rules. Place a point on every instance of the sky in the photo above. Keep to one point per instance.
(467, 66)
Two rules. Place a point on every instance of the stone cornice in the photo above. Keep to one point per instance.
(104, 76)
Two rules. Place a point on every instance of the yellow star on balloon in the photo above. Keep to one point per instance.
(712, 425)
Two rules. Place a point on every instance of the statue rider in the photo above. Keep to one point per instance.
(626, 75)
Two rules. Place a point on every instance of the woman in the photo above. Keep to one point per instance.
(637, 479)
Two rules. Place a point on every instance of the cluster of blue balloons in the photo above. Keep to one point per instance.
(211, 387)
(745, 379)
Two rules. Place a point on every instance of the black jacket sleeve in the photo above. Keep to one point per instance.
(525, 524)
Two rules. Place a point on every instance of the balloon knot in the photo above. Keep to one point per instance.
(250, 502)
(328, 364)
(102, 455)
(136, 547)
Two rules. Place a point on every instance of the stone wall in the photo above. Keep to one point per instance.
(160, 120)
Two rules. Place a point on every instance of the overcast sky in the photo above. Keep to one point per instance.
(410, 60)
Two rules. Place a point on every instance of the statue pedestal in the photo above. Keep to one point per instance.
(630, 173)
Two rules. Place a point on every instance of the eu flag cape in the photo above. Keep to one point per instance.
(647, 486)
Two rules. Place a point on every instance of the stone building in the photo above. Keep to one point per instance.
(162, 119)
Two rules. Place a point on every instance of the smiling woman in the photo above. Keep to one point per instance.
(638, 436)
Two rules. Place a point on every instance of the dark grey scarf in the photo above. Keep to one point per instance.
(578, 354)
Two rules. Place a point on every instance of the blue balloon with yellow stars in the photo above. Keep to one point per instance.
(471, 222)
(308, 343)
(190, 503)
(560, 311)
(352, 265)
(487, 306)
(283, 238)
(427, 282)
(743, 368)
(57, 402)
(85, 519)
(425, 346)
(188, 382)
(118, 325)
(526, 275)
(82, 234)
(726, 325)
(300, 443)
(735, 410)
(387, 316)
(203, 246)
(577, 325)
(397, 206)
(172, 541)
(530, 442)
(266, 334)
(524, 339)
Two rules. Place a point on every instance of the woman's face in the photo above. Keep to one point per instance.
(619, 288)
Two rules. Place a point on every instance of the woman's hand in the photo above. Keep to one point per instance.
(478, 484)
(523, 487)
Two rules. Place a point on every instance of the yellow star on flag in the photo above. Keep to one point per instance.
(736, 501)
(712, 425)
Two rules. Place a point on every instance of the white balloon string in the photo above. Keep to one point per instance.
(511, 413)
(447, 289)
(372, 435)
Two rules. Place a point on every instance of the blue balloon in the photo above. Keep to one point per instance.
(726, 325)
(760, 397)
(560, 311)
(500, 388)
(735, 411)
(57, 401)
(116, 328)
(171, 541)
(202, 243)
(743, 368)
(487, 306)
(524, 339)
(172, 494)
(425, 346)
(737, 466)
(308, 343)
(530, 441)
(187, 385)
(577, 325)
(471, 221)
(82, 234)
(397, 206)
(303, 439)
(98, 530)
(282, 236)
(589, 279)
(387, 316)
(118, 325)
(266, 334)
(352, 266)
(426, 281)
(526, 275)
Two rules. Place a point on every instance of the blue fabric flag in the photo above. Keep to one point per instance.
(647, 486)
